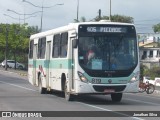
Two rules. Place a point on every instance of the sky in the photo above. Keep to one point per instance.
(146, 13)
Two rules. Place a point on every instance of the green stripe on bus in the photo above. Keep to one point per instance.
(53, 64)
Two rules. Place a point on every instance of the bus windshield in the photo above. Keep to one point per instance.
(112, 51)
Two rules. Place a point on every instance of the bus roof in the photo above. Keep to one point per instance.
(72, 26)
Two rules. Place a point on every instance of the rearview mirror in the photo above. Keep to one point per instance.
(74, 43)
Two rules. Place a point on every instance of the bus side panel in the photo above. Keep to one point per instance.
(30, 71)
(58, 67)
(40, 68)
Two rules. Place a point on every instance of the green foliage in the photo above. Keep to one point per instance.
(18, 40)
(121, 18)
(114, 18)
(156, 28)
(142, 72)
(101, 18)
(82, 19)
(153, 72)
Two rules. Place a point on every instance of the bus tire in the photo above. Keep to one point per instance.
(116, 97)
(41, 89)
(63, 80)
(68, 95)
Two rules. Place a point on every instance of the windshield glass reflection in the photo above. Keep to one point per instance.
(112, 52)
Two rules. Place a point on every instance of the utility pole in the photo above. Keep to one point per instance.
(99, 14)
(110, 11)
(6, 48)
(77, 10)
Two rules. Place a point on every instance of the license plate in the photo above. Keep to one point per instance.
(109, 90)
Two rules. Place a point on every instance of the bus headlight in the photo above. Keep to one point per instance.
(82, 77)
(135, 78)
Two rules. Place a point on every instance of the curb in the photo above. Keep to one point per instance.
(15, 72)
(22, 74)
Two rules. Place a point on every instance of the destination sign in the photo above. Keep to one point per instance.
(107, 29)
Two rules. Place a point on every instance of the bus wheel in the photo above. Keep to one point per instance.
(116, 97)
(68, 96)
(41, 89)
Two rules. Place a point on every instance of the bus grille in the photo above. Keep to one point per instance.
(103, 88)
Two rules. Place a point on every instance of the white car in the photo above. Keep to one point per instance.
(11, 64)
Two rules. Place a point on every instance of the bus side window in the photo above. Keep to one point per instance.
(41, 48)
(56, 42)
(31, 49)
(64, 45)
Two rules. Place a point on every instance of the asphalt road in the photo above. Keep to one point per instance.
(16, 94)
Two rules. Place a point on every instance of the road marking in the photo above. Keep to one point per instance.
(100, 108)
(18, 86)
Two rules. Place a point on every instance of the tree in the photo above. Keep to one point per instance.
(2, 36)
(97, 18)
(116, 18)
(82, 19)
(18, 41)
(153, 72)
(156, 28)
(122, 18)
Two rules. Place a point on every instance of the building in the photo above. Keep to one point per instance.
(149, 50)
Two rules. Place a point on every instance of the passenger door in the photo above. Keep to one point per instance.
(35, 50)
(48, 56)
(73, 66)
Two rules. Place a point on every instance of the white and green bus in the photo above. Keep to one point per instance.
(59, 59)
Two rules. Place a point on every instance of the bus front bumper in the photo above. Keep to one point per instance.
(84, 88)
